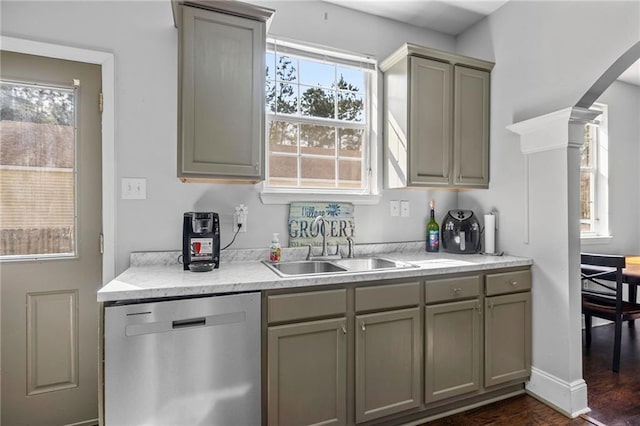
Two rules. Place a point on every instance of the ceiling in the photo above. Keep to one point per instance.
(632, 74)
(446, 16)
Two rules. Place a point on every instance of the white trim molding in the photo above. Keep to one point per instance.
(550, 131)
(568, 398)
(546, 133)
(107, 62)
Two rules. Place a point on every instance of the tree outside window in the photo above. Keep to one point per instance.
(316, 123)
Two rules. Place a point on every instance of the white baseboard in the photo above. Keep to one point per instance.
(568, 398)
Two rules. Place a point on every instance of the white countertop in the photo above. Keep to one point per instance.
(145, 280)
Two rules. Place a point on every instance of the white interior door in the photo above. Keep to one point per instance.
(50, 226)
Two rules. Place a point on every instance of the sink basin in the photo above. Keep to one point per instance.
(308, 267)
(370, 264)
(316, 267)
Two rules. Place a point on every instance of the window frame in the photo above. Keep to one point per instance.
(368, 194)
(599, 171)
(62, 255)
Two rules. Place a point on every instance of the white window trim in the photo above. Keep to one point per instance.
(371, 194)
(600, 233)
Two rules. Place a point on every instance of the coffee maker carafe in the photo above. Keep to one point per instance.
(201, 241)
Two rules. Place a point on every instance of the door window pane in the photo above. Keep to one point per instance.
(37, 161)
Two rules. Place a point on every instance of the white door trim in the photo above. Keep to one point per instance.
(106, 61)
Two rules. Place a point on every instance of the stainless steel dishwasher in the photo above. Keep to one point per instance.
(184, 362)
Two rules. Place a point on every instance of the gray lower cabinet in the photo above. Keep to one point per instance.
(221, 95)
(307, 373)
(388, 357)
(507, 337)
(452, 349)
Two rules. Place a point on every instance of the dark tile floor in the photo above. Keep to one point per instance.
(614, 398)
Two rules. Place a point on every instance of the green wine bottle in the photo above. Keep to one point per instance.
(433, 231)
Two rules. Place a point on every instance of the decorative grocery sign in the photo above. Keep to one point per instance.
(304, 231)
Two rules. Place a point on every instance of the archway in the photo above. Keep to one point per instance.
(551, 147)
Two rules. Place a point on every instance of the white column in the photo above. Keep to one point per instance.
(551, 145)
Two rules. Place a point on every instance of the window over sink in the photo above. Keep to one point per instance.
(318, 117)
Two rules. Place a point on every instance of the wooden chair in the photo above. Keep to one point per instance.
(604, 299)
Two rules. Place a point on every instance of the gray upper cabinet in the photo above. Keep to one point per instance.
(471, 132)
(436, 119)
(221, 93)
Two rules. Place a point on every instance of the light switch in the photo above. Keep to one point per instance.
(134, 188)
(394, 207)
(404, 208)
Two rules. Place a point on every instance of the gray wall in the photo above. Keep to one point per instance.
(623, 100)
(547, 54)
(538, 75)
(144, 41)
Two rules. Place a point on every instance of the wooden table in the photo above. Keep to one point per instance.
(631, 275)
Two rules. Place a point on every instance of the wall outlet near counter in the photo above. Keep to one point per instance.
(394, 208)
(240, 218)
(404, 208)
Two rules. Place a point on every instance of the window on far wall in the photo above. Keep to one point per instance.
(318, 120)
(594, 178)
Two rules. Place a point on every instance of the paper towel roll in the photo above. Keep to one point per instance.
(489, 233)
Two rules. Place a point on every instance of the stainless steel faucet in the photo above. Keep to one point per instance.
(323, 231)
(325, 253)
(351, 248)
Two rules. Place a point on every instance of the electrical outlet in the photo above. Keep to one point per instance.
(240, 218)
(134, 188)
(394, 208)
(404, 208)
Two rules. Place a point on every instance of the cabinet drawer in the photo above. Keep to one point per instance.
(508, 282)
(452, 289)
(387, 296)
(290, 307)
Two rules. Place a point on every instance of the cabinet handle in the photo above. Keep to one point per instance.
(362, 326)
(344, 329)
(255, 166)
(479, 309)
(490, 305)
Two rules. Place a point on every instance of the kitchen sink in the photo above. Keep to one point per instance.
(307, 267)
(316, 267)
(370, 263)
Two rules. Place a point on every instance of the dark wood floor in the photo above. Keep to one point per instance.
(614, 398)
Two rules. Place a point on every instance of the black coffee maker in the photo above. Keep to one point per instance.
(201, 241)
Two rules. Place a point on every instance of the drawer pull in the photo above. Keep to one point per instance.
(344, 329)
(457, 290)
(362, 326)
(514, 283)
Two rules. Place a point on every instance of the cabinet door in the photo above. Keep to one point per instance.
(307, 373)
(507, 338)
(430, 122)
(388, 357)
(452, 349)
(222, 96)
(471, 127)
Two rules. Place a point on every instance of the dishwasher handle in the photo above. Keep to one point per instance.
(191, 322)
